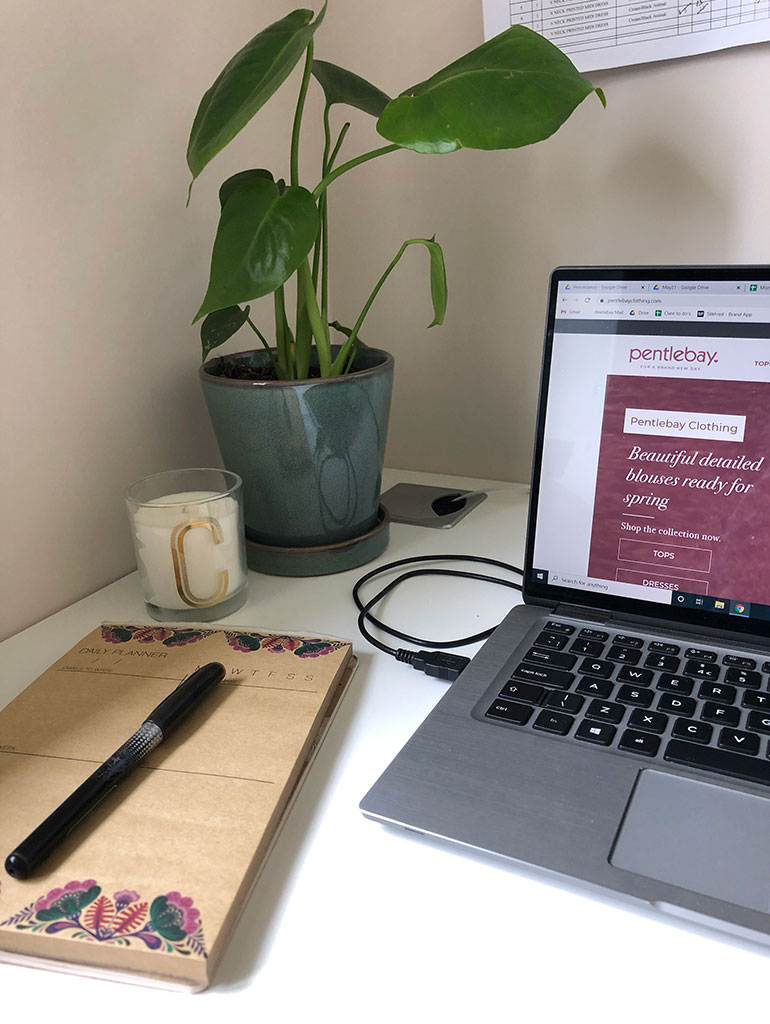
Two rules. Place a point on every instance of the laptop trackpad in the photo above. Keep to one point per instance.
(699, 836)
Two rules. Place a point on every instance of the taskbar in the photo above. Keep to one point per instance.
(679, 598)
(721, 605)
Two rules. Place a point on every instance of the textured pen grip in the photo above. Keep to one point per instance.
(146, 738)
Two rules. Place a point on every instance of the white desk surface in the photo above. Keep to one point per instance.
(353, 921)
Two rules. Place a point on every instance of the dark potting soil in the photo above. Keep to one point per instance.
(244, 369)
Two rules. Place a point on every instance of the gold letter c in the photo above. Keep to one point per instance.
(180, 565)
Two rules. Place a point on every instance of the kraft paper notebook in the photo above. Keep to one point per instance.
(150, 885)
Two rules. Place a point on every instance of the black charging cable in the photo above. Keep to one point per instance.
(436, 662)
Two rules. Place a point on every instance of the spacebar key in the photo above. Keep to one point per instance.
(737, 766)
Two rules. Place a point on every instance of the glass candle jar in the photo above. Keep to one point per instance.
(188, 534)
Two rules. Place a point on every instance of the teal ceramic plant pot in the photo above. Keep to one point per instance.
(310, 454)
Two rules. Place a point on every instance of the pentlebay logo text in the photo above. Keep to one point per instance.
(670, 354)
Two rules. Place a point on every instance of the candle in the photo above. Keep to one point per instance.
(189, 549)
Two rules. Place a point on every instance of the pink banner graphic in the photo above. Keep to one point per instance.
(683, 487)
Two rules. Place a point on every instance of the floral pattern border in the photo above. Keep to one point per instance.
(239, 640)
(170, 923)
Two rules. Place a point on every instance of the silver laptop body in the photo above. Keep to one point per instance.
(613, 730)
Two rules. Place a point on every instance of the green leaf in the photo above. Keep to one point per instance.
(220, 326)
(262, 238)
(341, 86)
(347, 331)
(228, 186)
(438, 292)
(511, 91)
(246, 83)
(438, 287)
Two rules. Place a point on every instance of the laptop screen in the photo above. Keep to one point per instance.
(651, 484)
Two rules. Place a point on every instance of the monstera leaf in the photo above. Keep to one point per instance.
(246, 83)
(341, 86)
(228, 186)
(511, 91)
(220, 326)
(262, 238)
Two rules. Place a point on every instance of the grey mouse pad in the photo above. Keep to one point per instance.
(702, 837)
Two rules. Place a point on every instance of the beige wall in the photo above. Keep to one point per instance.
(103, 267)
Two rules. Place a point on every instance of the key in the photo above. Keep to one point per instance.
(597, 732)
(632, 695)
(560, 627)
(624, 654)
(554, 641)
(591, 647)
(735, 739)
(666, 662)
(510, 712)
(637, 676)
(556, 659)
(639, 742)
(712, 759)
(698, 732)
(628, 641)
(571, 702)
(553, 721)
(594, 687)
(720, 715)
(675, 684)
(595, 667)
(718, 692)
(733, 659)
(702, 669)
(677, 705)
(661, 648)
(650, 721)
(743, 677)
(543, 674)
(752, 699)
(701, 655)
(594, 634)
(756, 720)
(522, 691)
(605, 711)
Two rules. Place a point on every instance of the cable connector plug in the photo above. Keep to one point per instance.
(434, 663)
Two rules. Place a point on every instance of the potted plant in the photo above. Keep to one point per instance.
(303, 419)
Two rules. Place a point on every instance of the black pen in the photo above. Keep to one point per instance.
(159, 723)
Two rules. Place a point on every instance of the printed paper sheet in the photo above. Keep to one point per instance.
(614, 33)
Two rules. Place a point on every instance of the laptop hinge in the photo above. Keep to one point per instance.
(662, 626)
(576, 611)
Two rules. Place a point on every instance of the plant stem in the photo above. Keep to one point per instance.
(282, 336)
(318, 327)
(347, 350)
(337, 144)
(322, 199)
(295, 131)
(264, 341)
(323, 202)
(330, 177)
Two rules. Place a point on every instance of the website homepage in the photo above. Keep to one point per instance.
(656, 478)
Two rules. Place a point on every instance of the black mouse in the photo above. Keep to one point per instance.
(446, 504)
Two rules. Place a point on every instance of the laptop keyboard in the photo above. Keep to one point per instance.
(698, 707)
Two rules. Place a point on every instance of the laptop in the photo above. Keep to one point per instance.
(615, 729)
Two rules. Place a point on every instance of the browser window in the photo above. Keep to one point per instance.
(655, 478)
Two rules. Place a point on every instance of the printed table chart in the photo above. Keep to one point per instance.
(588, 24)
(613, 33)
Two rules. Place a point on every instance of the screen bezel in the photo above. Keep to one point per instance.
(535, 592)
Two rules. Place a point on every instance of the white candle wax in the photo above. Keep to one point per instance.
(189, 549)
